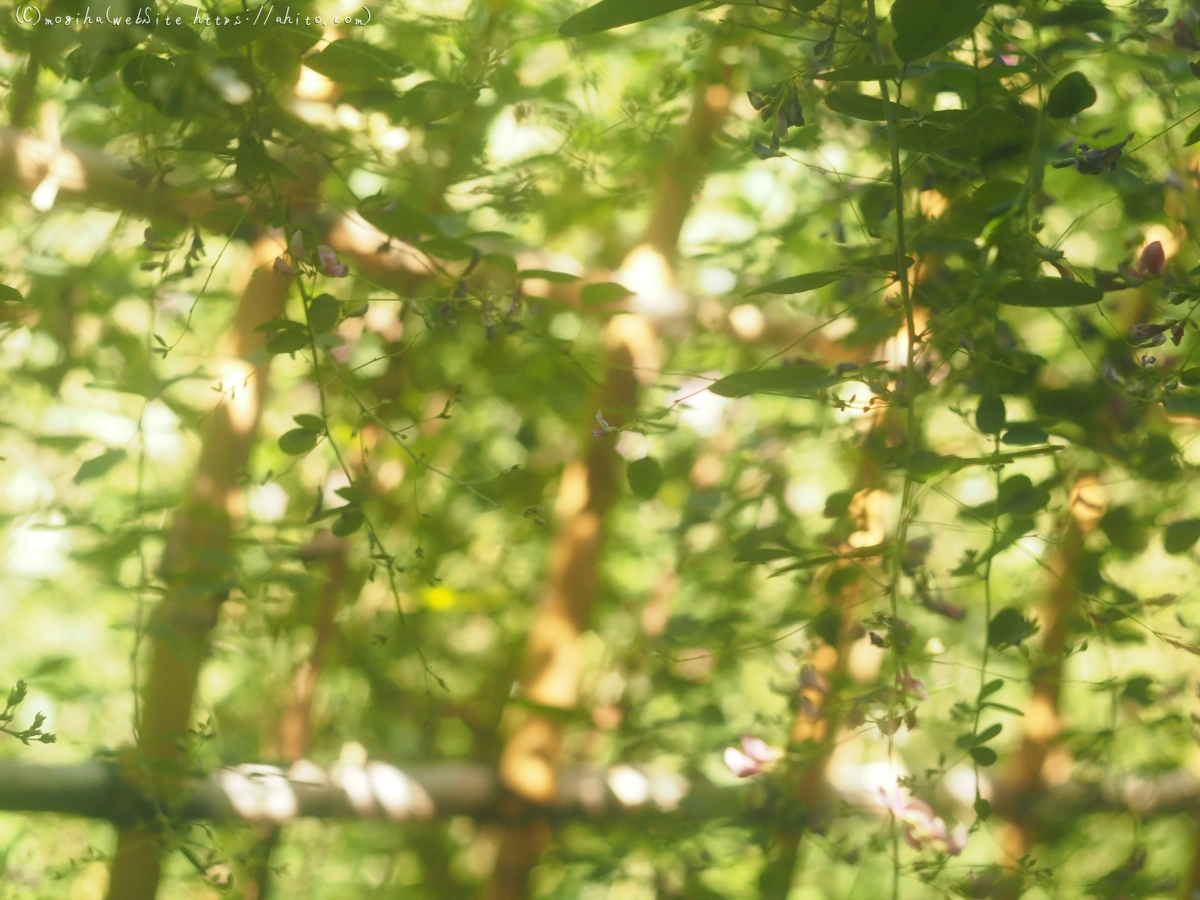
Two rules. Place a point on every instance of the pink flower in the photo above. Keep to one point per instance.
(282, 267)
(757, 749)
(329, 263)
(741, 765)
(1152, 260)
(750, 760)
(921, 827)
(296, 247)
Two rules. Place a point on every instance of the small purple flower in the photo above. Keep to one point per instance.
(282, 267)
(329, 263)
(910, 685)
(296, 247)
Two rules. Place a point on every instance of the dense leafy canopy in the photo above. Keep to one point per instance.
(793, 398)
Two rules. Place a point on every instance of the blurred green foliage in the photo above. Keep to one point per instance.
(423, 408)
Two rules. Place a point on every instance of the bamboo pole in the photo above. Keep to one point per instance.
(587, 491)
(197, 570)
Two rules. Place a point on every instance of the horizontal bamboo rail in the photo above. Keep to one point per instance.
(377, 790)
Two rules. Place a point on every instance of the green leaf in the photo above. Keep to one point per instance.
(1193, 137)
(983, 809)
(501, 261)
(1024, 434)
(991, 687)
(353, 62)
(547, 275)
(98, 465)
(985, 756)
(923, 26)
(862, 106)
(310, 422)
(10, 294)
(798, 284)
(768, 554)
(397, 218)
(788, 381)
(298, 441)
(859, 72)
(352, 493)
(1045, 293)
(988, 733)
(609, 14)
(430, 101)
(1008, 628)
(323, 313)
(1190, 377)
(924, 465)
(1179, 537)
(990, 414)
(645, 476)
(348, 521)
(1079, 13)
(288, 337)
(602, 293)
(996, 197)
(447, 248)
(1073, 94)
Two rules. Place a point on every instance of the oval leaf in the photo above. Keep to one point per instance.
(923, 26)
(614, 13)
(350, 520)
(10, 294)
(1179, 537)
(1072, 95)
(547, 275)
(98, 465)
(985, 756)
(310, 422)
(798, 284)
(298, 441)
(604, 292)
(1009, 628)
(1046, 293)
(788, 381)
(645, 476)
(1024, 434)
(861, 106)
(859, 72)
(990, 415)
(323, 313)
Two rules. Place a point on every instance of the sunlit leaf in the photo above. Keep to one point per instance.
(98, 465)
(609, 14)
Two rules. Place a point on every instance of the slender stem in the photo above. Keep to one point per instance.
(909, 386)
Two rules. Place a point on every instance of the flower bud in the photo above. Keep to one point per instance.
(282, 267)
(296, 247)
(1152, 260)
(1183, 37)
(329, 263)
